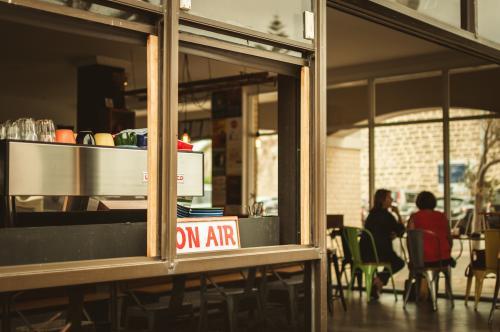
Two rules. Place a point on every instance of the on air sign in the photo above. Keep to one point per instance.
(207, 234)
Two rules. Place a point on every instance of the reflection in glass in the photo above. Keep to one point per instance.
(479, 183)
(236, 40)
(282, 18)
(446, 11)
(487, 19)
(103, 10)
(411, 115)
(407, 159)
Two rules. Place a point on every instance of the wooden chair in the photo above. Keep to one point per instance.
(419, 270)
(480, 271)
(495, 295)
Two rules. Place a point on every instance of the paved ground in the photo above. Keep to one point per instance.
(387, 315)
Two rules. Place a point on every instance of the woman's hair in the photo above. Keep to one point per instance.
(379, 198)
(426, 201)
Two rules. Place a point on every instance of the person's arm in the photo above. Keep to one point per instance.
(397, 225)
(411, 222)
(396, 211)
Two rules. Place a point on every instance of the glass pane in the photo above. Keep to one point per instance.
(240, 170)
(72, 97)
(475, 90)
(266, 147)
(397, 101)
(407, 160)
(487, 19)
(236, 40)
(468, 157)
(347, 175)
(282, 18)
(446, 11)
(342, 102)
(458, 113)
(103, 10)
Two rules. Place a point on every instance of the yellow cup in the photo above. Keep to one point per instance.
(104, 139)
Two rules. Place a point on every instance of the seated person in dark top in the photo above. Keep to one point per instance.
(436, 253)
(384, 227)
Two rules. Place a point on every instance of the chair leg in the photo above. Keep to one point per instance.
(449, 291)
(292, 296)
(369, 271)
(479, 287)
(231, 312)
(431, 277)
(260, 309)
(393, 286)
(6, 306)
(359, 278)
(408, 292)
(495, 299)
(353, 277)
(202, 324)
(344, 272)
(329, 285)
(468, 287)
(339, 281)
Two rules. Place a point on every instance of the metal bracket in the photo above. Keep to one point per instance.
(308, 25)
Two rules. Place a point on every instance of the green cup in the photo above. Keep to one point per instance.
(126, 138)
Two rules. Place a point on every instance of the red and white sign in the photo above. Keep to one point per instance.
(207, 234)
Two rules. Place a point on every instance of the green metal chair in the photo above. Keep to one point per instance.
(370, 268)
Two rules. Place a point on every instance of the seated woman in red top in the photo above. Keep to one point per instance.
(428, 219)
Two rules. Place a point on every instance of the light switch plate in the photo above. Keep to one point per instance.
(308, 25)
(185, 4)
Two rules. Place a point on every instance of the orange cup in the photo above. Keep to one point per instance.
(65, 136)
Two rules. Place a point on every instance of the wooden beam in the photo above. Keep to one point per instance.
(153, 120)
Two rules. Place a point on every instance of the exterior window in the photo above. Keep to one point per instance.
(445, 11)
(347, 172)
(487, 19)
(283, 18)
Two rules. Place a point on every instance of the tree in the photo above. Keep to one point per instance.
(276, 27)
(483, 188)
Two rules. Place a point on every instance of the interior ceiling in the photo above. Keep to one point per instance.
(354, 41)
(351, 41)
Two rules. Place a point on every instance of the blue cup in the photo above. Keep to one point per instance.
(142, 140)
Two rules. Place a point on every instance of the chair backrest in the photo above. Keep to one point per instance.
(351, 235)
(416, 246)
(492, 247)
(334, 220)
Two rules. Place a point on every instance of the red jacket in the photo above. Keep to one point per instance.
(437, 223)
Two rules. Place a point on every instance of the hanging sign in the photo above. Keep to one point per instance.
(207, 234)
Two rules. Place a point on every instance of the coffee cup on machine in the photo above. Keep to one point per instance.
(104, 139)
(126, 138)
(85, 137)
(65, 136)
